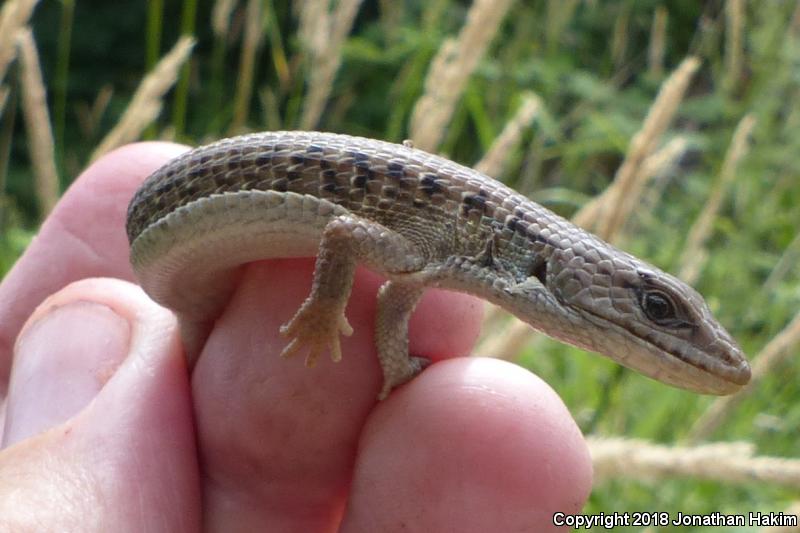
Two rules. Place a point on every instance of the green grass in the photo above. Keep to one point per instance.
(594, 102)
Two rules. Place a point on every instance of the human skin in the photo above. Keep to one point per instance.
(106, 427)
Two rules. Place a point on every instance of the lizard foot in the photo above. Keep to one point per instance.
(318, 326)
(396, 376)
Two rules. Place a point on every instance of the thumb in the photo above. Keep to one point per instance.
(98, 430)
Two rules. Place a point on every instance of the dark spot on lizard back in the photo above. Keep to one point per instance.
(475, 201)
(165, 187)
(329, 176)
(395, 170)
(359, 157)
(249, 179)
(428, 181)
(537, 237)
(195, 173)
(224, 181)
(512, 223)
(281, 185)
(360, 160)
(429, 185)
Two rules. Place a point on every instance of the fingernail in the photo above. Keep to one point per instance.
(61, 362)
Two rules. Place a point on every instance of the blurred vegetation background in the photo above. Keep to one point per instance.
(670, 127)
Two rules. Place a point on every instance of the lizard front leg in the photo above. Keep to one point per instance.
(346, 241)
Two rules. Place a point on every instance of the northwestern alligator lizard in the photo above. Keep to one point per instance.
(421, 221)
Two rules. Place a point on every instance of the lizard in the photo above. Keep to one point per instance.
(421, 221)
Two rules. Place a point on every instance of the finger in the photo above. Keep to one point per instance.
(470, 445)
(120, 456)
(83, 237)
(278, 440)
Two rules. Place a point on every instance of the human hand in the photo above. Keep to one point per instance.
(105, 429)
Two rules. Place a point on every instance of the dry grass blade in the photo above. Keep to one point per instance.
(392, 13)
(428, 113)
(604, 213)
(772, 355)
(244, 85)
(724, 462)
(619, 38)
(794, 25)
(694, 255)
(659, 165)
(494, 162)
(451, 68)
(734, 23)
(270, 108)
(652, 166)
(658, 41)
(3, 98)
(147, 101)
(558, 15)
(324, 34)
(221, 17)
(13, 17)
(666, 157)
(89, 117)
(37, 124)
(789, 259)
(314, 24)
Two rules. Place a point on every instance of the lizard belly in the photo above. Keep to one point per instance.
(187, 260)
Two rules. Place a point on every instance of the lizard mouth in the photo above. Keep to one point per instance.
(718, 371)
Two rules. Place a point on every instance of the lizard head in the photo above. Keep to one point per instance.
(597, 297)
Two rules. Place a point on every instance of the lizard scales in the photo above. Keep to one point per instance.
(420, 220)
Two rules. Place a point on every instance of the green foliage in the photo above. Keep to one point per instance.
(588, 62)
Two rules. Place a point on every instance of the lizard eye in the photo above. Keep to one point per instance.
(657, 306)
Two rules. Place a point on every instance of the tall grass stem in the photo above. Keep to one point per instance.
(147, 101)
(451, 68)
(37, 124)
(180, 101)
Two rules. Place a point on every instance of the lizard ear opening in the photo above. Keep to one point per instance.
(538, 270)
(534, 282)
